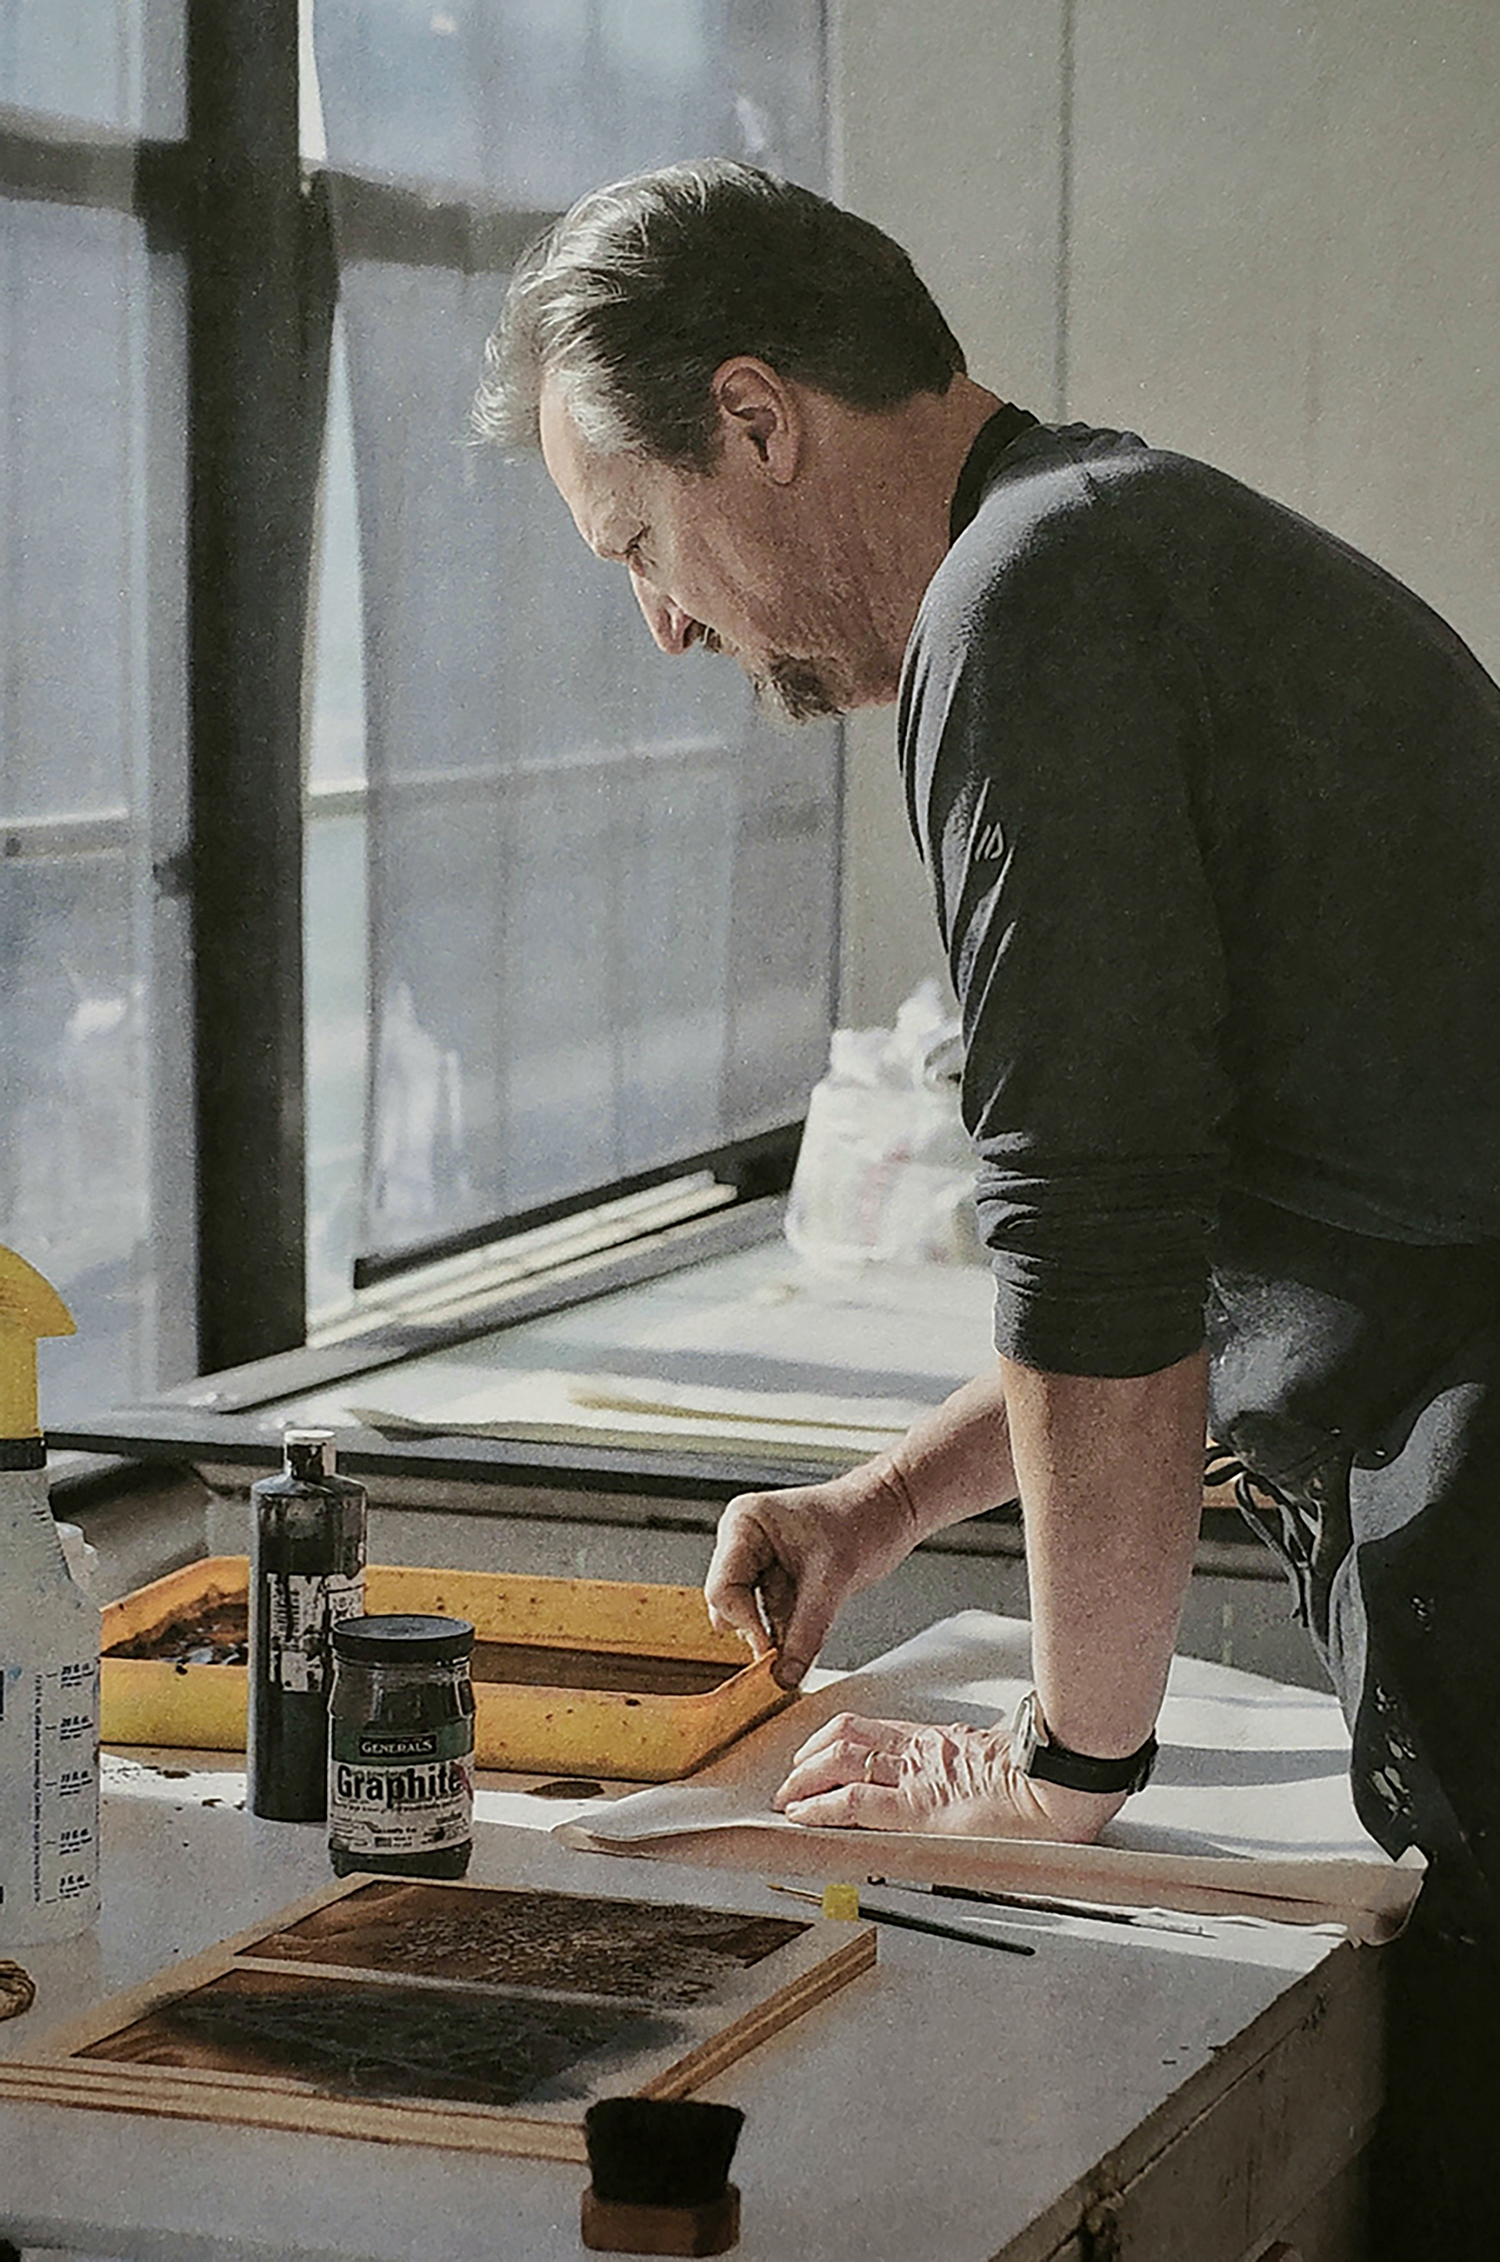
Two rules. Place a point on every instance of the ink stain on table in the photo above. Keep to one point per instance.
(664, 1956)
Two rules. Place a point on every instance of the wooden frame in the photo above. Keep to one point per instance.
(680, 2044)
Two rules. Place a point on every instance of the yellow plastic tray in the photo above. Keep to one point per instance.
(616, 1733)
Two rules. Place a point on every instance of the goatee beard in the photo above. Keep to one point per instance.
(798, 691)
(788, 690)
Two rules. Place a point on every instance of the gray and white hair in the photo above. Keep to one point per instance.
(636, 296)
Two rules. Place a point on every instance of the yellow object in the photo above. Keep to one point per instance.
(29, 1307)
(620, 1734)
(841, 1901)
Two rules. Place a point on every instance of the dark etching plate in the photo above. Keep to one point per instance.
(661, 1956)
(355, 2038)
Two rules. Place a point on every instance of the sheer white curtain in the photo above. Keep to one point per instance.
(602, 894)
(95, 1075)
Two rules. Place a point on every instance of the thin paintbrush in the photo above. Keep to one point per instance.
(906, 1923)
(1158, 1920)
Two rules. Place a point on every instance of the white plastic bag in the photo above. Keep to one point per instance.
(886, 1171)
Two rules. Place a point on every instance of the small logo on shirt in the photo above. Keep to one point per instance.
(990, 844)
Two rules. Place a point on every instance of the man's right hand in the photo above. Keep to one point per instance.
(784, 1562)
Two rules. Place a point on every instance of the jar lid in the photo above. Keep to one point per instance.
(402, 1640)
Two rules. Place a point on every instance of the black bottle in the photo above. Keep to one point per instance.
(307, 1570)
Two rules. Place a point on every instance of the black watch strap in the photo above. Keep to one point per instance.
(1038, 1754)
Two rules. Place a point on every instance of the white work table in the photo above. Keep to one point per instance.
(1123, 2090)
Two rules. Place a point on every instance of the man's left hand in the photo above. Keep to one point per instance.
(955, 1781)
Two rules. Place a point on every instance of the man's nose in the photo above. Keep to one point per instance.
(668, 623)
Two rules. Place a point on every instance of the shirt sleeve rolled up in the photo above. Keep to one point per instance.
(1053, 725)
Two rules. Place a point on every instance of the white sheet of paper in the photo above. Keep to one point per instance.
(1250, 1810)
(550, 1407)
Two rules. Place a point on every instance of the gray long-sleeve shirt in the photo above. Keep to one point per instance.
(1211, 808)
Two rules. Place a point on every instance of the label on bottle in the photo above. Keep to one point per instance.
(49, 1739)
(400, 1791)
(300, 1610)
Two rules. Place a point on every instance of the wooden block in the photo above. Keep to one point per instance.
(614, 2226)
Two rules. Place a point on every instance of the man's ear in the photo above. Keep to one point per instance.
(759, 411)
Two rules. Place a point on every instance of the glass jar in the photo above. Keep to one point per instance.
(401, 1747)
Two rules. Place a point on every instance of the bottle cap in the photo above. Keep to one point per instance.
(402, 1640)
(309, 1452)
(29, 1307)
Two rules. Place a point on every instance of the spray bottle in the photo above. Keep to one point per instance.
(49, 1656)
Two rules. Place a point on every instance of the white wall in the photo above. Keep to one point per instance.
(1264, 234)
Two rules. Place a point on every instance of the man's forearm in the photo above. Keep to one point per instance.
(1111, 1478)
(956, 1461)
(785, 1562)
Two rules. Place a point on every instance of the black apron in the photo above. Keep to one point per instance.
(1359, 1382)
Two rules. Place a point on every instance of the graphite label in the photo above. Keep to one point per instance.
(400, 1792)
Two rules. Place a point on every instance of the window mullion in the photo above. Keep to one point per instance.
(255, 373)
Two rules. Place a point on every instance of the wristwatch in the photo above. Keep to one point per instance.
(1037, 1753)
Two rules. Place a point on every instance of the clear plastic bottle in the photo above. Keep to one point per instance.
(307, 1572)
(49, 1657)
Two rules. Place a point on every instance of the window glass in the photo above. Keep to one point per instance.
(601, 893)
(334, 891)
(95, 1144)
(336, 733)
(334, 912)
(533, 101)
(72, 284)
(590, 952)
(115, 63)
(76, 1168)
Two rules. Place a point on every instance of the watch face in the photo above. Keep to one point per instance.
(1026, 1734)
